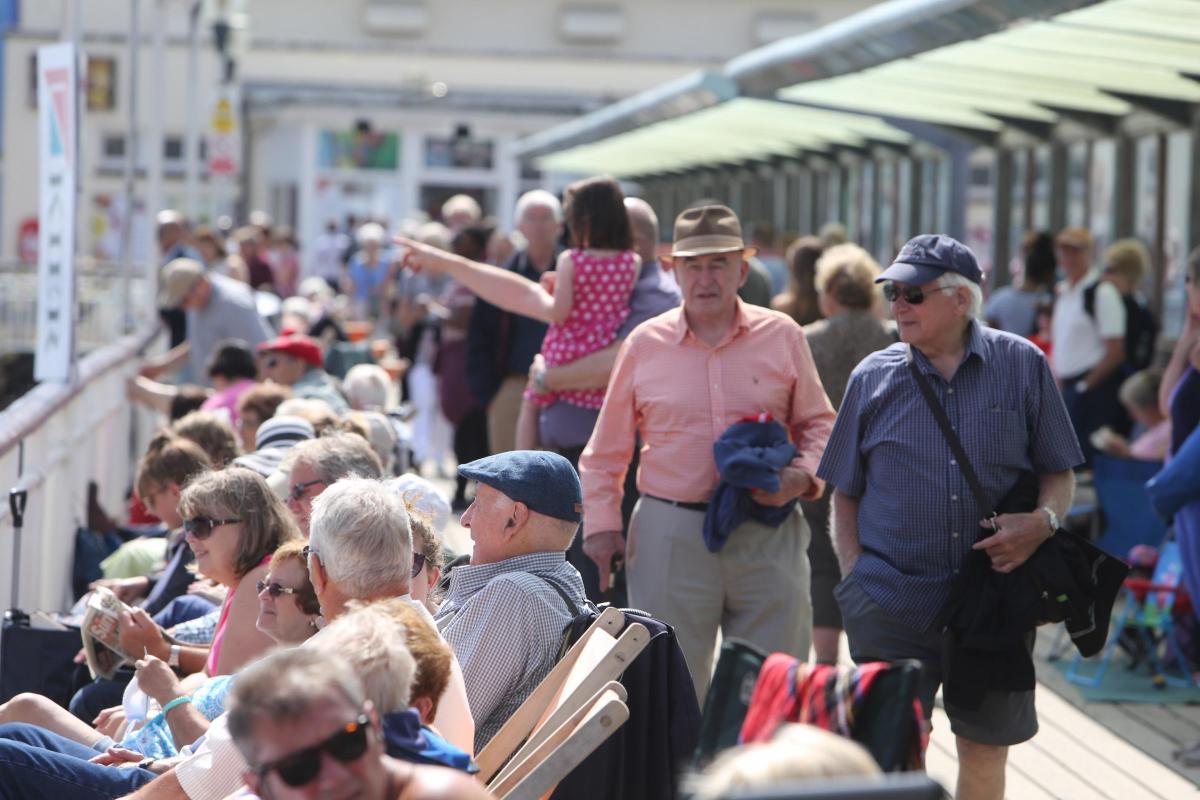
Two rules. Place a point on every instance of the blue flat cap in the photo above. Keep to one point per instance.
(546, 482)
(924, 258)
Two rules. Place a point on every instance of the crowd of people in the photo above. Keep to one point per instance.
(736, 443)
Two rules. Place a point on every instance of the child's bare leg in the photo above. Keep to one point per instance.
(527, 427)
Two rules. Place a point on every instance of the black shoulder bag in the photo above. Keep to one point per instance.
(1022, 498)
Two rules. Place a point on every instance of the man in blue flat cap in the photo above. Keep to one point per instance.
(506, 610)
(905, 518)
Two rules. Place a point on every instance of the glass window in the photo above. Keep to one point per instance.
(1179, 238)
(1076, 185)
(458, 152)
(1041, 187)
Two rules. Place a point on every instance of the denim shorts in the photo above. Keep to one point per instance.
(1004, 718)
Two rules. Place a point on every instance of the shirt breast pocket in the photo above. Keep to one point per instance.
(1000, 438)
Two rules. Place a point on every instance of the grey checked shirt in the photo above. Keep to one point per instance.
(505, 624)
(917, 518)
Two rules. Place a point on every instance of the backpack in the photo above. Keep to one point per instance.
(1141, 330)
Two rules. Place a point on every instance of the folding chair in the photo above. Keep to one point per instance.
(1147, 610)
(539, 771)
(728, 699)
(1129, 519)
(575, 682)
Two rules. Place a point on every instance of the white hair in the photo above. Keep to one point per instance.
(368, 387)
(297, 307)
(380, 435)
(373, 642)
(334, 456)
(955, 280)
(462, 204)
(361, 533)
(315, 288)
(424, 497)
(371, 232)
(538, 197)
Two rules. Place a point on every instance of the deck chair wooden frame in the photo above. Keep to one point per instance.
(597, 658)
(510, 736)
(541, 769)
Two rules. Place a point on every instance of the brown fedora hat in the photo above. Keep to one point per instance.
(708, 229)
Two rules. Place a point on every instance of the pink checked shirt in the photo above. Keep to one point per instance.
(681, 395)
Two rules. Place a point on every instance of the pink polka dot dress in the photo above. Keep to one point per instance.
(603, 285)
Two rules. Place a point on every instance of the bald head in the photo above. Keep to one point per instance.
(644, 223)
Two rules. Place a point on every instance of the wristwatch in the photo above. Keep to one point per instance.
(173, 658)
(146, 763)
(539, 380)
(1052, 517)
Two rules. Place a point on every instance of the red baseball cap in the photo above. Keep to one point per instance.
(302, 347)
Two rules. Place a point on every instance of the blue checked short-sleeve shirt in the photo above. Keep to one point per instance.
(917, 517)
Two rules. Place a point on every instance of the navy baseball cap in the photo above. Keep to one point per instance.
(546, 482)
(924, 258)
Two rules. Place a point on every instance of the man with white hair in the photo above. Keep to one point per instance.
(461, 211)
(360, 548)
(905, 514)
(506, 610)
(501, 345)
(315, 465)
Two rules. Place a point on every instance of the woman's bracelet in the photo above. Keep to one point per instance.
(183, 698)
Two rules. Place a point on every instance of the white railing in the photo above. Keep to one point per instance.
(53, 441)
(111, 301)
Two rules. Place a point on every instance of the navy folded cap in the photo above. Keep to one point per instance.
(924, 258)
(546, 482)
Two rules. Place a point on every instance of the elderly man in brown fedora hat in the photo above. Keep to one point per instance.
(681, 380)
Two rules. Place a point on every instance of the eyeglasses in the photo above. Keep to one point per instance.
(203, 527)
(913, 295)
(302, 766)
(307, 552)
(275, 589)
(300, 488)
(418, 564)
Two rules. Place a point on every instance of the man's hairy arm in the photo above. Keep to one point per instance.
(844, 530)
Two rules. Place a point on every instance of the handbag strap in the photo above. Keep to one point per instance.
(952, 439)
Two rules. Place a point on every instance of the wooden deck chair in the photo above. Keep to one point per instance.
(598, 640)
(539, 771)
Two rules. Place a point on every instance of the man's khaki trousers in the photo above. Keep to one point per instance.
(756, 588)
(502, 414)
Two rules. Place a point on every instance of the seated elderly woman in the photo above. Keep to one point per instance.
(287, 612)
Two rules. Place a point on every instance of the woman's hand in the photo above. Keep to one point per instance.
(139, 634)
(158, 680)
(549, 280)
(109, 721)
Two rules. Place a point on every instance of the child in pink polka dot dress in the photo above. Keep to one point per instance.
(592, 284)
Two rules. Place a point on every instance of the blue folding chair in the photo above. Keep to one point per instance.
(1129, 519)
(1146, 611)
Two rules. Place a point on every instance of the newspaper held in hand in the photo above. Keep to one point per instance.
(101, 642)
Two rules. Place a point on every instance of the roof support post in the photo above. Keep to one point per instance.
(1124, 187)
(1030, 176)
(1194, 196)
(1058, 185)
(1159, 250)
(916, 186)
(779, 204)
(1002, 218)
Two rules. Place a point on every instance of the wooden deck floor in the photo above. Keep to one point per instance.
(1088, 751)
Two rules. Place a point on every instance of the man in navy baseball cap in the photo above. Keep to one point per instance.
(506, 610)
(926, 257)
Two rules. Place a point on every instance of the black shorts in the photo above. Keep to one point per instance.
(1004, 718)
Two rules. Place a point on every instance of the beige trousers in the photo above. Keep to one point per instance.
(756, 588)
(502, 414)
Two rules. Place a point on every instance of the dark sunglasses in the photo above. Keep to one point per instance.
(913, 295)
(275, 589)
(202, 527)
(300, 488)
(306, 552)
(300, 767)
(418, 563)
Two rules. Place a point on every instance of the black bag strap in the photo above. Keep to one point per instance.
(572, 609)
(952, 439)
